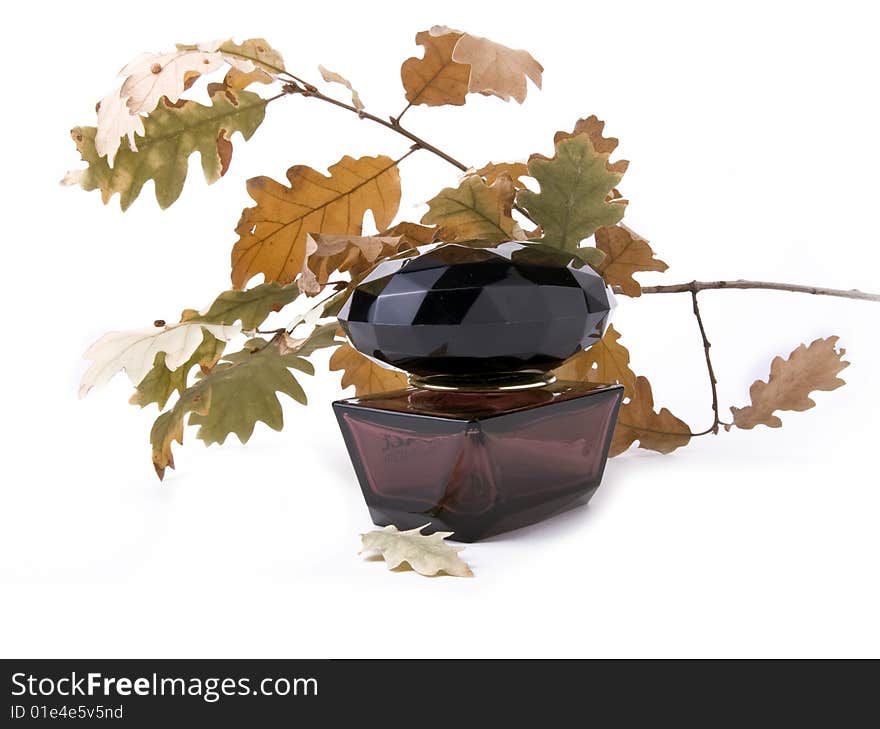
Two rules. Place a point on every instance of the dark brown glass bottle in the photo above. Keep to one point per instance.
(485, 440)
(479, 463)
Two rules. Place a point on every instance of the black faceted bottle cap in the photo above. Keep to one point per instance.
(478, 314)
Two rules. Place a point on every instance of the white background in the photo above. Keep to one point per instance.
(752, 131)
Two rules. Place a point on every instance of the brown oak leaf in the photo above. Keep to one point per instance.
(435, 79)
(626, 253)
(655, 431)
(807, 369)
(594, 127)
(515, 170)
(413, 233)
(606, 361)
(362, 372)
(272, 235)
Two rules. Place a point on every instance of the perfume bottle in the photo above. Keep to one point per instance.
(484, 439)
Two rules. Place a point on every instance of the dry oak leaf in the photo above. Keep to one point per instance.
(807, 369)
(333, 77)
(326, 254)
(427, 554)
(606, 361)
(413, 233)
(626, 253)
(593, 128)
(273, 234)
(267, 62)
(495, 70)
(573, 202)
(435, 79)
(135, 351)
(655, 431)
(171, 134)
(473, 211)
(515, 170)
(152, 76)
(367, 376)
(237, 393)
(115, 122)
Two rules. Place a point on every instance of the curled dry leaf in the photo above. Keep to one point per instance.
(626, 253)
(367, 376)
(332, 77)
(435, 79)
(807, 369)
(236, 394)
(170, 135)
(273, 234)
(495, 70)
(355, 254)
(655, 431)
(474, 211)
(606, 361)
(574, 199)
(413, 233)
(135, 351)
(427, 554)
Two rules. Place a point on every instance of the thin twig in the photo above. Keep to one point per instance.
(392, 123)
(695, 286)
(713, 381)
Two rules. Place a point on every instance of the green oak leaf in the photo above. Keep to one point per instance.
(240, 391)
(574, 198)
(323, 336)
(472, 211)
(251, 307)
(172, 133)
(160, 383)
(591, 255)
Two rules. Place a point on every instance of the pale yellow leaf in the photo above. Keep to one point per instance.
(333, 77)
(426, 554)
(496, 70)
(135, 351)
